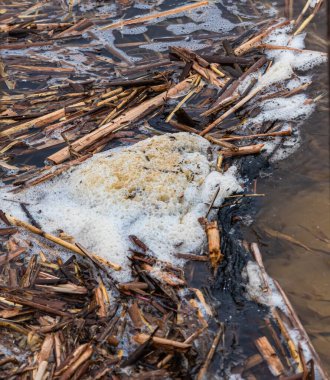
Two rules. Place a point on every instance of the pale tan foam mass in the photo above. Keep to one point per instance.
(156, 189)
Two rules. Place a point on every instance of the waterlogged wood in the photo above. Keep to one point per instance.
(36, 123)
(124, 120)
(266, 350)
(76, 359)
(142, 19)
(283, 236)
(7, 257)
(213, 238)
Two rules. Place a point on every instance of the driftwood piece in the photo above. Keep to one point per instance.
(142, 19)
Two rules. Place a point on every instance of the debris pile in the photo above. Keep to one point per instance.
(94, 242)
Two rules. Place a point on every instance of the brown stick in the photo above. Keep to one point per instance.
(187, 341)
(222, 143)
(141, 338)
(243, 150)
(295, 320)
(213, 237)
(139, 20)
(254, 41)
(287, 132)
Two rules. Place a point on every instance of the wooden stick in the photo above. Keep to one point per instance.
(122, 121)
(287, 132)
(257, 255)
(142, 19)
(243, 150)
(222, 143)
(183, 127)
(141, 338)
(254, 41)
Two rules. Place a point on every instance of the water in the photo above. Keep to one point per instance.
(297, 203)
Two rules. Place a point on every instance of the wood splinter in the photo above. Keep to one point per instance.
(213, 238)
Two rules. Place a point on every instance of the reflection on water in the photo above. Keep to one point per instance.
(297, 204)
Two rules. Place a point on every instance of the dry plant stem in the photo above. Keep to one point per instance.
(231, 90)
(243, 150)
(225, 102)
(290, 344)
(183, 127)
(222, 143)
(230, 111)
(212, 201)
(203, 371)
(142, 19)
(299, 18)
(309, 18)
(244, 48)
(209, 75)
(287, 132)
(54, 239)
(122, 121)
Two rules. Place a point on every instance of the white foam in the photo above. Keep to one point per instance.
(134, 30)
(286, 109)
(163, 46)
(208, 18)
(156, 189)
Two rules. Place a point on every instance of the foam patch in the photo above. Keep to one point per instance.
(156, 189)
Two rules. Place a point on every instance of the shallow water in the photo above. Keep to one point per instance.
(297, 204)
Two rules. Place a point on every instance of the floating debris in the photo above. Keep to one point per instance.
(123, 262)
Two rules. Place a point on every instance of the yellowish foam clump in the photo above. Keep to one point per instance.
(156, 189)
(155, 172)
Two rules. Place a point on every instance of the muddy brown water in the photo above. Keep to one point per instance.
(297, 204)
